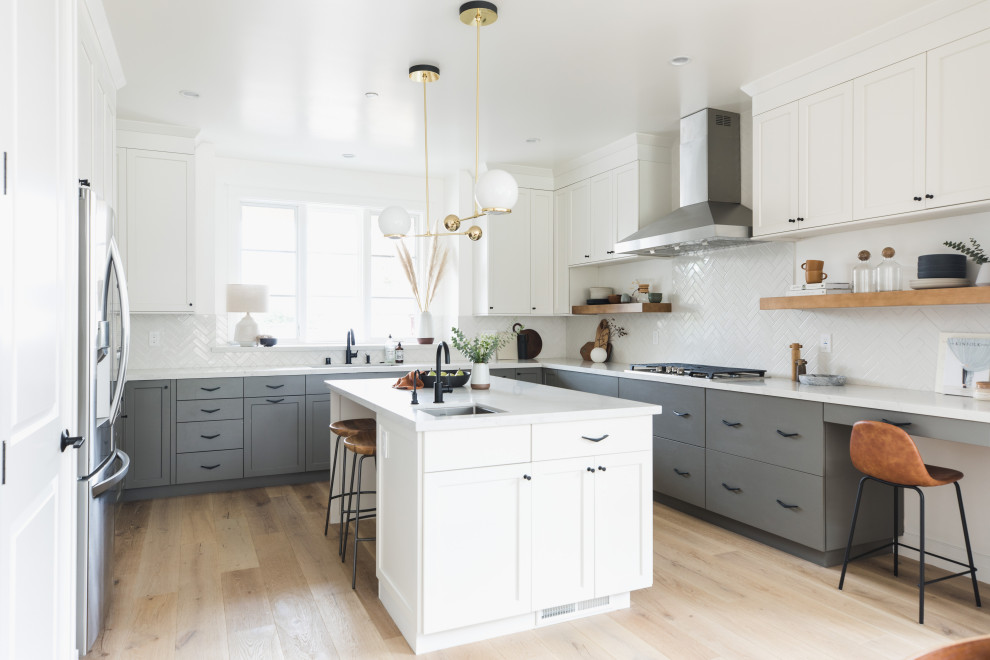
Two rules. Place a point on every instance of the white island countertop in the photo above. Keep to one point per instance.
(519, 403)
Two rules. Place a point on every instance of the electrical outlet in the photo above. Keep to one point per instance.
(155, 338)
(825, 343)
(656, 336)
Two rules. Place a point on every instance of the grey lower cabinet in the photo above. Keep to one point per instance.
(148, 433)
(319, 441)
(528, 374)
(573, 380)
(209, 430)
(274, 435)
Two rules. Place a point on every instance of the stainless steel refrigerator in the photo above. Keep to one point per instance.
(104, 339)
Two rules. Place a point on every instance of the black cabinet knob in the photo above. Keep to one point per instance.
(791, 220)
(587, 256)
(917, 199)
(929, 196)
(527, 477)
(800, 219)
(601, 468)
(591, 469)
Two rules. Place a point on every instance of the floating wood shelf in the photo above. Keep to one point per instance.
(621, 308)
(970, 295)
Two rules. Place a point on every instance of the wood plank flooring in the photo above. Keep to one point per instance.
(249, 574)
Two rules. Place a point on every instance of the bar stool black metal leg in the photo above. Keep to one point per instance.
(333, 473)
(350, 510)
(921, 559)
(357, 525)
(894, 537)
(969, 548)
(340, 523)
(852, 531)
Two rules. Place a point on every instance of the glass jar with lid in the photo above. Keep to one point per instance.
(888, 272)
(863, 274)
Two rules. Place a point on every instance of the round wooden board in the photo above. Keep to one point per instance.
(534, 343)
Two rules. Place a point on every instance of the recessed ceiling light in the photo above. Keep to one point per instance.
(189, 94)
(532, 140)
(680, 60)
(347, 155)
(371, 95)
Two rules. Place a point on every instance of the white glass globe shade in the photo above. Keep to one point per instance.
(599, 354)
(394, 222)
(496, 192)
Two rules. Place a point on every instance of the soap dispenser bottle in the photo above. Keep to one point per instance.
(390, 351)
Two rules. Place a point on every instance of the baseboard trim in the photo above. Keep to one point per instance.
(178, 490)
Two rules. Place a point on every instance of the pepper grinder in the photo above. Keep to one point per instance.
(795, 357)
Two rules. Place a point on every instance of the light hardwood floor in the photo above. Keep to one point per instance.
(249, 574)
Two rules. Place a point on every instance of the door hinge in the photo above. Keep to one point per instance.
(3, 463)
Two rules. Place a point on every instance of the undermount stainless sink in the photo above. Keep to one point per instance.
(456, 411)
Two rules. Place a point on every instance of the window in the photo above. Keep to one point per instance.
(328, 269)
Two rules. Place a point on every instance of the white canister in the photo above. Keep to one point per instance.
(480, 378)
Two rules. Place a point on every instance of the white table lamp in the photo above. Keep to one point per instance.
(247, 298)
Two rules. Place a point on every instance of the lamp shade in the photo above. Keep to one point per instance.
(496, 192)
(247, 298)
(394, 222)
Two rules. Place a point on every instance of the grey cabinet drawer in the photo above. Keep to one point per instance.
(591, 383)
(784, 502)
(957, 430)
(679, 470)
(209, 466)
(774, 430)
(209, 388)
(315, 383)
(206, 410)
(274, 386)
(683, 416)
(209, 436)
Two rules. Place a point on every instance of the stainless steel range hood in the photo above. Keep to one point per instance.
(711, 216)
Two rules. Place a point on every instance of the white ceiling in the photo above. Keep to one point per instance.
(286, 80)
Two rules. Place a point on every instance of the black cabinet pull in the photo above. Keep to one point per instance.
(534, 309)
(601, 468)
(210, 437)
(800, 219)
(786, 435)
(680, 414)
(732, 424)
(591, 469)
(791, 220)
(788, 506)
(887, 421)
(274, 400)
(929, 196)
(682, 473)
(527, 477)
(917, 199)
(595, 439)
(587, 256)
(610, 252)
(210, 467)
(728, 487)
(210, 389)
(275, 387)
(491, 308)
(211, 410)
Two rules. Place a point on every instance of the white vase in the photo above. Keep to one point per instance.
(983, 275)
(480, 378)
(424, 328)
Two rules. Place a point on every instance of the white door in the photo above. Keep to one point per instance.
(775, 171)
(477, 546)
(958, 137)
(580, 222)
(889, 140)
(623, 522)
(541, 257)
(602, 218)
(625, 199)
(509, 249)
(563, 531)
(826, 157)
(37, 329)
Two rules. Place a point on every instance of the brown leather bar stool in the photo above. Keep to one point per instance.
(362, 446)
(344, 428)
(974, 648)
(887, 454)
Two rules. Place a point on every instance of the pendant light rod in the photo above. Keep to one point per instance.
(477, 104)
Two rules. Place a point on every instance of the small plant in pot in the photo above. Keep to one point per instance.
(976, 253)
(480, 350)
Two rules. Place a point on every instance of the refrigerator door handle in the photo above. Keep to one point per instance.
(115, 263)
(116, 477)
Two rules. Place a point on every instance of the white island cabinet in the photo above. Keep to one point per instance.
(494, 523)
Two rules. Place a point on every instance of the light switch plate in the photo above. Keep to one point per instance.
(825, 343)
(155, 338)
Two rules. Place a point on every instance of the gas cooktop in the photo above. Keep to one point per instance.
(697, 370)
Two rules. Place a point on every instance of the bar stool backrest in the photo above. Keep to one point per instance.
(887, 452)
(977, 648)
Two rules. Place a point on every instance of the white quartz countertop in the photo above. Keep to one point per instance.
(518, 402)
(880, 398)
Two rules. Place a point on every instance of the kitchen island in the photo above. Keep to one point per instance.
(535, 512)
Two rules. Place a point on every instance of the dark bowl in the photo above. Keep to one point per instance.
(596, 301)
(941, 261)
(267, 341)
(453, 381)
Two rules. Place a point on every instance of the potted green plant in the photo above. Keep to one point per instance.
(479, 350)
(976, 253)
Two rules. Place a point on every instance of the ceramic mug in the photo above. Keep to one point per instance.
(813, 264)
(815, 276)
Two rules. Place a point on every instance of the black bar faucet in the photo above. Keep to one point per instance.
(348, 354)
(438, 386)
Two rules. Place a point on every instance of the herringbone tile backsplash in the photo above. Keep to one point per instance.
(716, 320)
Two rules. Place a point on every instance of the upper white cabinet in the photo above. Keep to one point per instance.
(156, 205)
(515, 259)
(775, 170)
(576, 215)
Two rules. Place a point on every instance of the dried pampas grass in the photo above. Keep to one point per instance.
(436, 267)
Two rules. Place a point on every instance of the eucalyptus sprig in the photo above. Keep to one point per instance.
(481, 348)
(975, 253)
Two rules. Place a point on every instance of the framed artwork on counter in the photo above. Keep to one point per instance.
(963, 361)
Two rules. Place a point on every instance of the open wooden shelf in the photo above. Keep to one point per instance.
(621, 308)
(970, 295)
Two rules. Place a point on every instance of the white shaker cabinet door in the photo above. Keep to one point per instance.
(159, 215)
(580, 222)
(563, 531)
(775, 171)
(477, 546)
(958, 136)
(889, 140)
(541, 253)
(623, 522)
(602, 218)
(826, 139)
(509, 249)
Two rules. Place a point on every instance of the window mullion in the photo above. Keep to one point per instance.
(302, 288)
